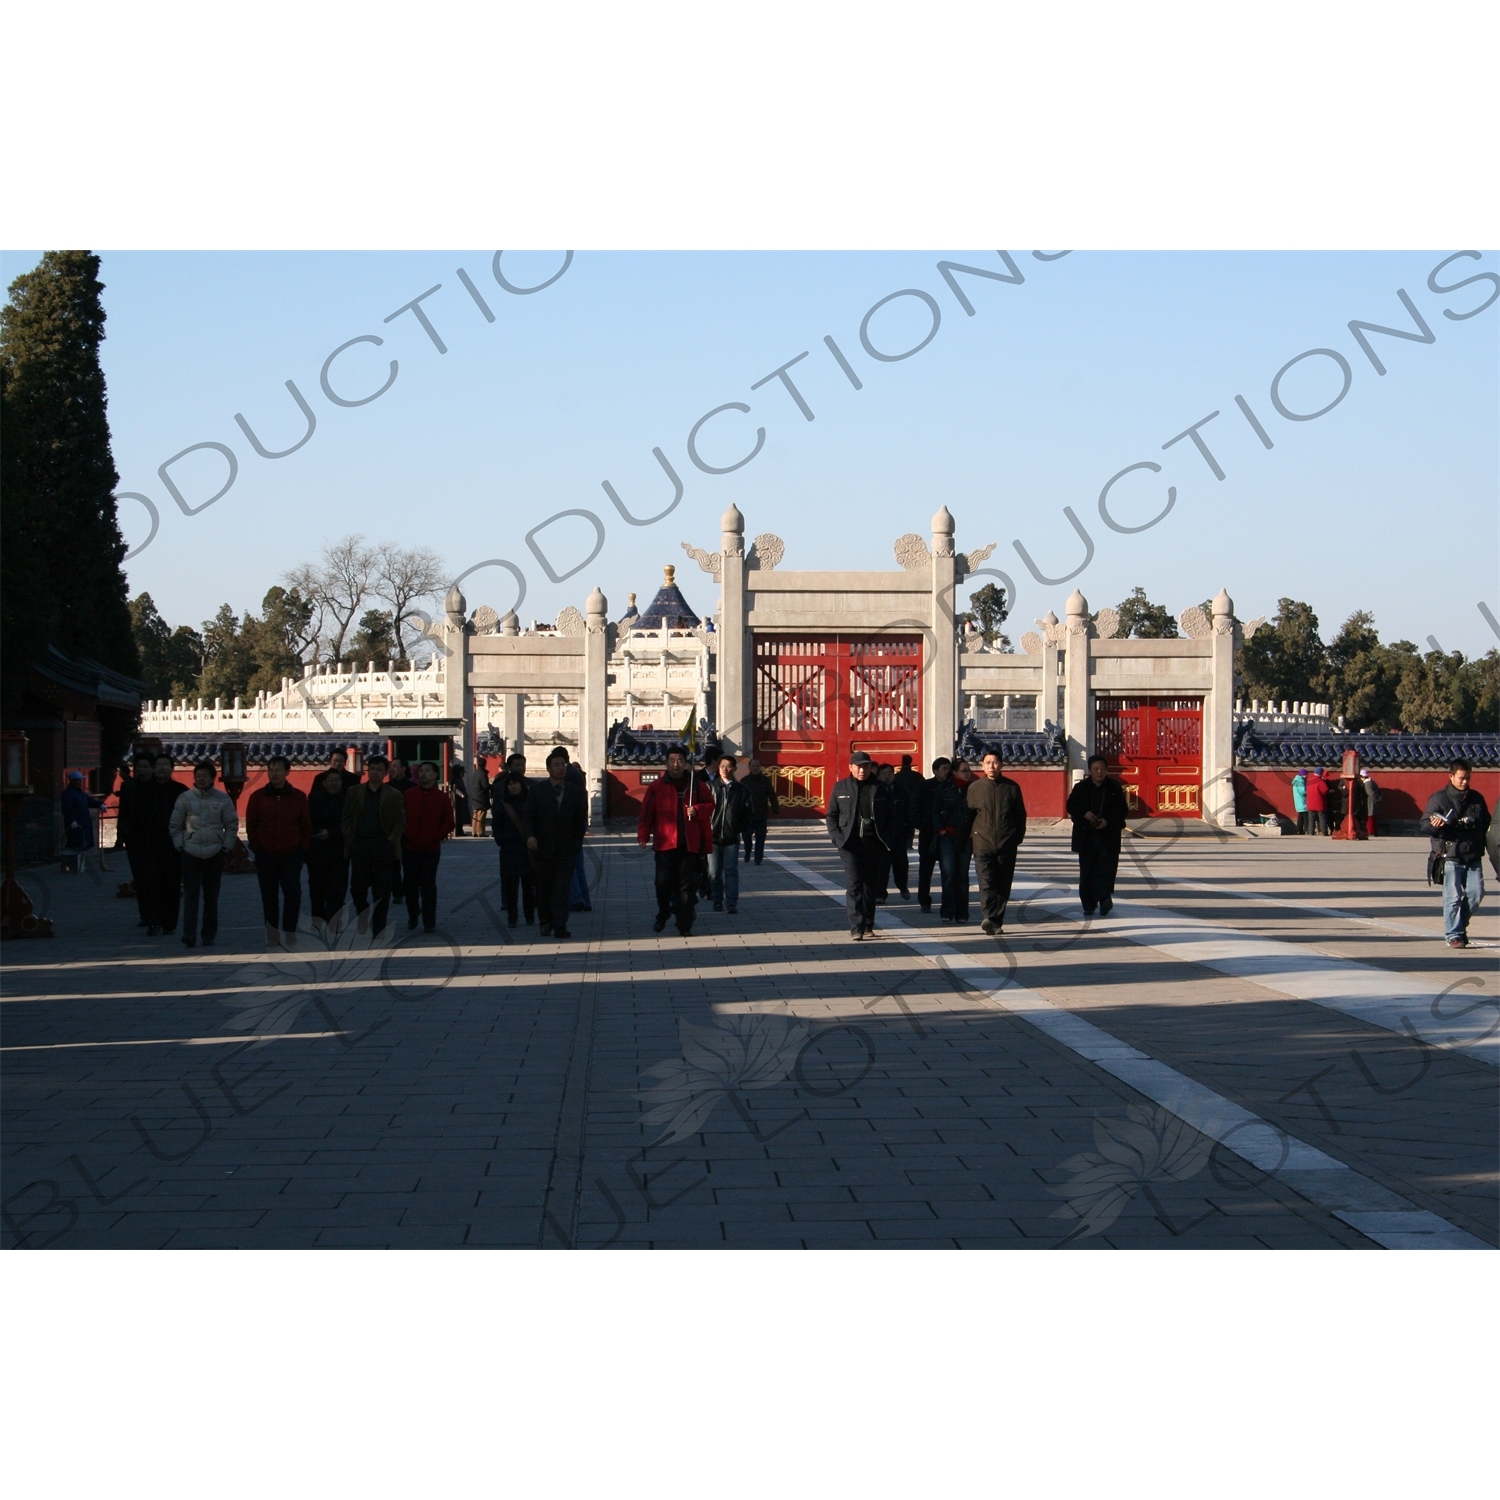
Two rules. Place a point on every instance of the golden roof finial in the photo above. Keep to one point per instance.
(670, 573)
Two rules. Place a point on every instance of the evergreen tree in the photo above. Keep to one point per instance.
(1361, 677)
(375, 640)
(1146, 621)
(280, 639)
(988, 609)
(171, 660)
(1444, 691)
(61, 551)
(1285, 659)
(228, 656)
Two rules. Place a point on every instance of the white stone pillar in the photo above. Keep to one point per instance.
(1078, 725)
(940, 696)
(593, 708)
(1046, 705)
(731, 701)
(1218, 719)
(458, 698)
(512, 705)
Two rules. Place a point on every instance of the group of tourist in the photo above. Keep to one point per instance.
(957, 819)
(1313, 796)
(960, 820)
(373, 838)
(380, 838)
(697, 823)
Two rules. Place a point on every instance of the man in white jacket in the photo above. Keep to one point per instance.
(204, 827)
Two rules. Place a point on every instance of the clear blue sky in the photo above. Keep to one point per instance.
(1389, 502)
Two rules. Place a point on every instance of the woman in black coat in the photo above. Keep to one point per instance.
(1097, 807)
(508, 795)
(327, 863)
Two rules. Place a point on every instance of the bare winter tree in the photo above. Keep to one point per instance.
(404, 575)
(339, 584)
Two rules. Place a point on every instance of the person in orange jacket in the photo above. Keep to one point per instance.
(676, 813)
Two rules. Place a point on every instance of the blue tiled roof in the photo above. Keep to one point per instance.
(1257, 745)
(299, 749)
(1042, 747)
(648, 747)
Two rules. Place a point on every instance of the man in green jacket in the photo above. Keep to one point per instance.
(374, 821)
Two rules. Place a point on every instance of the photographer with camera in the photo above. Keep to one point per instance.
(1458, 818)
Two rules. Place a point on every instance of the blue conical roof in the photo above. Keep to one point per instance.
(669, 609)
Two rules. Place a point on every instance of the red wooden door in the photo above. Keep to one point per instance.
(820, 698)
(1155, 747)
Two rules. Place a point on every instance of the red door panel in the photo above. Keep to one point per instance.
(1155, 747)
(820, 698)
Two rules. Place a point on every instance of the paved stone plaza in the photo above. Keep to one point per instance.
(1253, 1050)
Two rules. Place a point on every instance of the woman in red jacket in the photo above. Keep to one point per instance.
(1317, 803)
(676, 812)
(429, 820)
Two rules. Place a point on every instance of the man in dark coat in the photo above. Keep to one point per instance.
(908, 784)
(950, 826)
(338, 760)
(458, 797)
(327, 860)
(479, 795)
(578, 887)
(859, 821)
(1457, 819)
(129, 834)
(762, 805)
(556, 819)
(997, 813)
(923, 805)
(399, 778)
(374, 822)
(508, 794)
(1098, 809)
(158, 861)
(897, 863)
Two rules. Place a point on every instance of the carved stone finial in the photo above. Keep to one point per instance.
(1223, 604)
(510, 623)
(732, 523)
(455, 606)
(596, 606)
(1077, 604)
(942, 533)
